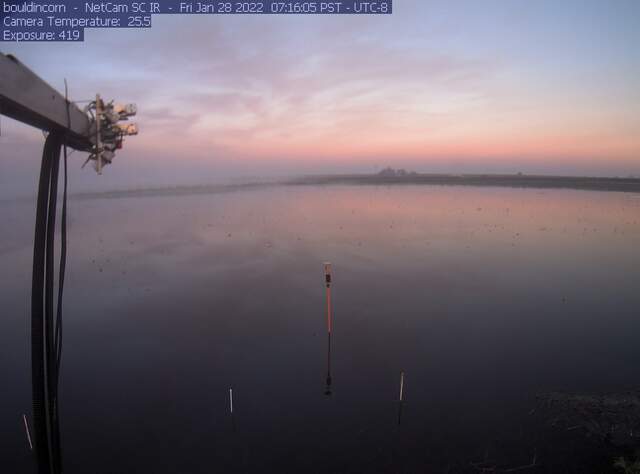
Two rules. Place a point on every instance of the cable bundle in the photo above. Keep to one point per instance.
(46, 327)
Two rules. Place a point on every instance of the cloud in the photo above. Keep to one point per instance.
(432, 80)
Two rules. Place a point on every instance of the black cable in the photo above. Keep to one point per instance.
(38, 347)
(57, 343)
(49, 300)
(44, 370)
(46, 324)
(63, 260)
(63, 246)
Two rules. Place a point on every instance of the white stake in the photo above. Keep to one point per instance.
(401, 384)
(26, 428)
(231, 400)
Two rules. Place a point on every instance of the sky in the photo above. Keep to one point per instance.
(439, 86)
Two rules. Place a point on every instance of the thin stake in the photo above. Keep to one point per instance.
(26, 428)
(329, 309)
(400, 402)
(231, 400)
(328, 388)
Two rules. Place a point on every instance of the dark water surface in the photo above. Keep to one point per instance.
(483, 296)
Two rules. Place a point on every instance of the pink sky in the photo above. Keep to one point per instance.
(437, 86)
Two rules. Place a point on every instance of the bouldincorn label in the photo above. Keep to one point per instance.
(66, 21)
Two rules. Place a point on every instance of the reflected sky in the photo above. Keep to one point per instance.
(484, 297)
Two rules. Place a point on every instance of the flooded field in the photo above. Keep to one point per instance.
(484, 297)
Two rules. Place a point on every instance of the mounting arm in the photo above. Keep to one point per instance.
(27, 98)
(99, 131)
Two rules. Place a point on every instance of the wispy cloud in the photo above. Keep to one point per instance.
(434, 81)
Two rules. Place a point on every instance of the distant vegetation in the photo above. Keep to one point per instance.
(391, 176)
(393, 173)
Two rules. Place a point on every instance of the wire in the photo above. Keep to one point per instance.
(63, 261)
(46, 327)
(43, 351)
(49, 301)
(63, 245)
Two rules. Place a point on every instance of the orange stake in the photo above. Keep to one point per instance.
(329, 309)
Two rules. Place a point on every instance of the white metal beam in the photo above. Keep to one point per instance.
(27, 98)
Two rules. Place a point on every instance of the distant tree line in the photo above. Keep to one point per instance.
(396, 173)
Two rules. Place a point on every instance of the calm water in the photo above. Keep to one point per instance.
(484, 297)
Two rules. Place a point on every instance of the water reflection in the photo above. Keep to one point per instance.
(401, 398)
(327, 281)
(327, 390)
(484, 296)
